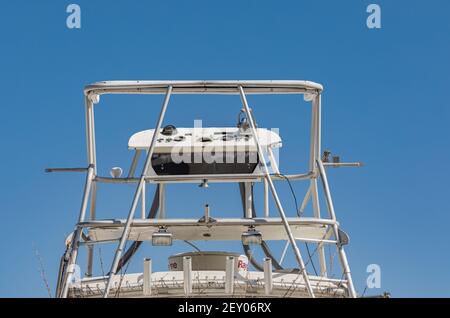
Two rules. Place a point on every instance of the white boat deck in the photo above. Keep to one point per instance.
(208, 284)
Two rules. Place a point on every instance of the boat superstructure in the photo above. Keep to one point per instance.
(243, 154)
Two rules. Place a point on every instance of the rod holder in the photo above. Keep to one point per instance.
(207, 214)
(229, 275)
(147, 277)
(268, 282)
(187, 275)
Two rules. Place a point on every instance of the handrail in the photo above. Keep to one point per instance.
(209, 178)
(218, 222)
(204, 87)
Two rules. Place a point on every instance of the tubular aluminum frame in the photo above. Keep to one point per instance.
(248, 198)
(273, 161)
(341, 251)
(305, 200)
(134, 163)
(266, 199)
(162, 201)
(285, 222)
(315, 154)
(72, 253)
(204, 87)
(137, 194)
(218, 222)
(73, 250)
(283, 254)
(211, 178)
(188, 222)
(93, 200)
(143, 211)
(242, 88)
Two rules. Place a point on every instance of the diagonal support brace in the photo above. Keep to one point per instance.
(287, 227)
(137, 195)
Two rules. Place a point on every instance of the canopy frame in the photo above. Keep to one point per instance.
(312, 93)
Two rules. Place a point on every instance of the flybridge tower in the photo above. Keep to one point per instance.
(243, 154)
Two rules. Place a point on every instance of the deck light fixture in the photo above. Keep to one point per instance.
(252, 236)
(162, 237)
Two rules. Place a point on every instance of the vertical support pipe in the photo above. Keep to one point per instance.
(341, 252)
(91, 156)
(286, 225)
(143, 201)
(314, 155)
(318, 101)
(88, 103)
(187, 275)
(266, 199)
(248, 200)
(321, 247)
(137, 194)
(229, 275)
(92, 216)
(147, 277)
(268, 282)
(93, 200)
(162, 201)
(93, 145)
(72, 257)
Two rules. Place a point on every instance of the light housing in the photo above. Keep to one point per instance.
(204, 184)
(162, 238)
(116, 172)
(252, 236)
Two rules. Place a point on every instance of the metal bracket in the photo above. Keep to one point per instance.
(343, 238)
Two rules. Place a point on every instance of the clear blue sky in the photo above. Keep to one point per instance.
(385, 103)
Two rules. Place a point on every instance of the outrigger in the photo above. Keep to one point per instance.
(244, 155)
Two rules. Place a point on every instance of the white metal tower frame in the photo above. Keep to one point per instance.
(311, 91)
